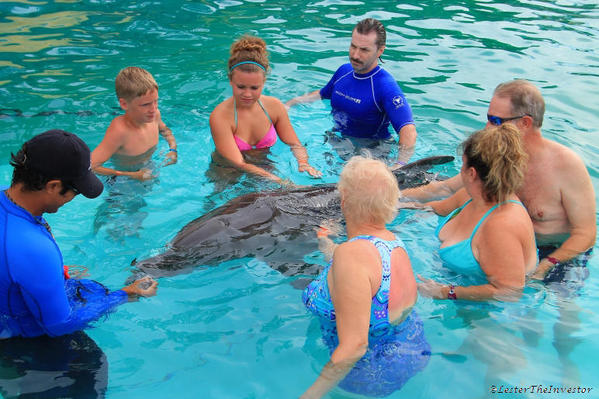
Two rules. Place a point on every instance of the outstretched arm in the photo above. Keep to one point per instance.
(433, 190)
(306, 98)
(288, 136)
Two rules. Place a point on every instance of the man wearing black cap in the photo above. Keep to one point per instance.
(49, 171)
(42, 310)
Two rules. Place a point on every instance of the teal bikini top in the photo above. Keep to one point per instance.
(459, 257)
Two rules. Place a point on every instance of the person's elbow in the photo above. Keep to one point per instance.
(509, 292)
(350, 351)
(586, 236)
(591, 235)
(95, 162)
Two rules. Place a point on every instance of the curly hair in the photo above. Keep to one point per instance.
(369, 190)
(525, 99)
(498, 156)
(132, 82)
(248, 48)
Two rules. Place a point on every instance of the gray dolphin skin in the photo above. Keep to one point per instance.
(277, 227)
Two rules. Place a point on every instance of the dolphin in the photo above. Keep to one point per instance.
(275, 226)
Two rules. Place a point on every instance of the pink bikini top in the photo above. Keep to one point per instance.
(269, 139)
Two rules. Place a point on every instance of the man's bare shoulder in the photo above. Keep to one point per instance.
(565, 160)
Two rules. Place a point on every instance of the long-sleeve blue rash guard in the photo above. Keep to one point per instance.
(363, 105)
(35, 298)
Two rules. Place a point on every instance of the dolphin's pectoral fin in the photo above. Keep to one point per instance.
(300, 283)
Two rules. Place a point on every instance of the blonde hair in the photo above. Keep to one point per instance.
(369, 190)
(525, 99)
(248, 48)
(498, 156)
(132, 82)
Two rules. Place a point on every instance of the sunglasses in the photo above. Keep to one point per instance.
(496, 120)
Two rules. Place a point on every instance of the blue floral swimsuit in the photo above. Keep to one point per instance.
(395, 352)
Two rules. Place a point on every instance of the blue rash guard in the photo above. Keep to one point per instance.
(35, 298)
(363, 105)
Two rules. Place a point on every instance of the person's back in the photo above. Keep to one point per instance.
(364, 297)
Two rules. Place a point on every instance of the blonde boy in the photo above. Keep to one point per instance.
(134, 135)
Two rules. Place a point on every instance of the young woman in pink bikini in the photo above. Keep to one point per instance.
(249, 120)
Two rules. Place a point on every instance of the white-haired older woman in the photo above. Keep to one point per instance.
(364, 297)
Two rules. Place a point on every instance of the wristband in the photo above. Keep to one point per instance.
(173, 150)
(451, 294)
(553, 260)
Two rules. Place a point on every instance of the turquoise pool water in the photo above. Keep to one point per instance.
(239, 330)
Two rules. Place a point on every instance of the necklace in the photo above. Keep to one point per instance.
(38, 219)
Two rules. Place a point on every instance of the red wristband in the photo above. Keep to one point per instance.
(451, 294)
(553, 260)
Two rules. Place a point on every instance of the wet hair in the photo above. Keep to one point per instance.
(498, 156)
(132, 82)
(369, 190)
(525, 99)
(31, 179)
(368, 25)
(248, 48)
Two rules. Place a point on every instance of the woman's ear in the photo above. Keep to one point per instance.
(471, 174)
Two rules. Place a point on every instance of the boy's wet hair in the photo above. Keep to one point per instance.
(132, 82)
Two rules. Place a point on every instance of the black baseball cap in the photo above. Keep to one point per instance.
(61, 155)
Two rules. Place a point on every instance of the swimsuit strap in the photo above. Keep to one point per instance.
(261, 106)
(384, 248)
(489, 212)
(264, 109)
(235, 112)
(451, 215)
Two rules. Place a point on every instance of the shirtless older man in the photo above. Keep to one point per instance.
(557, 189)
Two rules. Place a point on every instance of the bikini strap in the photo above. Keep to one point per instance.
(450, 216)
(235, 112)
(261, 106)
(489, 212)
(264, 109)
(384, 248)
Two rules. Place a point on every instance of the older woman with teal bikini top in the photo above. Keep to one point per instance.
(486, 233)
